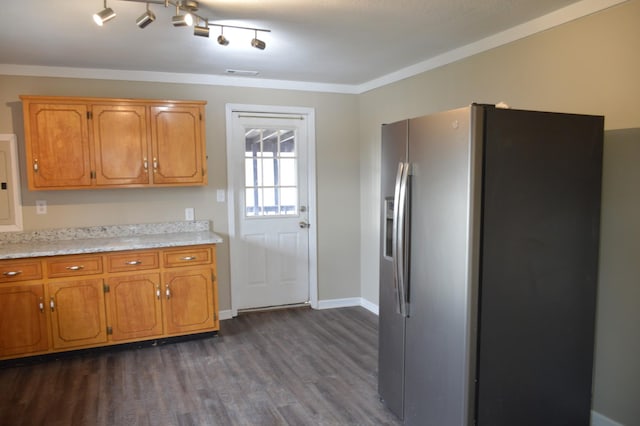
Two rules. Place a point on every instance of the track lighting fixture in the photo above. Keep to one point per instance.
(258, 44)
(104, 15)
(222, 40)
(146, 18)
(185, 15)
(181, 20)
(201, 30)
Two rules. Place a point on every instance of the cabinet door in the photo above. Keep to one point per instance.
(177, 145)
(120, 140)
(189, 301)
(58, 151)
(77, 313)
(133, 306)
(23, 323)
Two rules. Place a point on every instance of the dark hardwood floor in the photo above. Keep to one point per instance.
(285, 367)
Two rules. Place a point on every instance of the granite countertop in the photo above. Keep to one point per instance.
(105, 239)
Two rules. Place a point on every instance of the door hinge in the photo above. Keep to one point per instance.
(89, 115)
(92, 174)
(106, 288)
(109, 330)
(213, 277)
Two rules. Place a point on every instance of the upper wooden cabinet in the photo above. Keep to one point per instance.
(81, 143)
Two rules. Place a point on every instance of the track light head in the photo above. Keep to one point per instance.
(201, 31)
(146, 18)
(258, 44)
(222, 40)
(103, 16)
(185, 20)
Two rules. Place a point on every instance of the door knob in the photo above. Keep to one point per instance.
(304, 224)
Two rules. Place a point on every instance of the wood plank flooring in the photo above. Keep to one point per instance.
(285, 367)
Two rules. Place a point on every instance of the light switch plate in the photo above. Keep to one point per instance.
(220, 195)
(189, 213)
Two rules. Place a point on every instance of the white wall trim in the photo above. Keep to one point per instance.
(553, 19)
(598, 419)
(348, 302)
(225, 315)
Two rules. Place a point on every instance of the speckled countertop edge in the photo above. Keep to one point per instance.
(105, 239)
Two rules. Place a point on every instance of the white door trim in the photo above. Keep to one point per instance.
(309, 114)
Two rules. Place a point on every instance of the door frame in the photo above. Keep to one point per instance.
(309, 114)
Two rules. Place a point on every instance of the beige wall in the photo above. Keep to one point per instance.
(589, 66)
(337, 159)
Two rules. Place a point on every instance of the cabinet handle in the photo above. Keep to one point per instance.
(133, 262)
(75, 268)
(35, 165)
(168, 292)
(41, 305)
(187, 258)
(145, 163)
(52, 304)
(158, 292)
(11, 273)
(155, 164)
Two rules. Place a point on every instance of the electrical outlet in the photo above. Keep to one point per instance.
(189, 213)
(220, 195)
(41, 206)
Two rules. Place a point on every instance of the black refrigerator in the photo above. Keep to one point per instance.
(488, 267)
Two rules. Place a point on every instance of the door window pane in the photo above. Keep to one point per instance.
(271, 175)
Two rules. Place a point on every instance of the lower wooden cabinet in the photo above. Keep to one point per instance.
(134, 307)
(23, 321)
(142, 295)
(186, 295)
(77, 313)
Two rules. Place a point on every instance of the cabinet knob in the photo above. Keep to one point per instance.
(155, 164)
(52, 304)
(35, 165)
(158, 292)
(145, 164)
(41, 305)
(168, 292)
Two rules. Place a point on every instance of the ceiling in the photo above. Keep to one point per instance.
(334, 42)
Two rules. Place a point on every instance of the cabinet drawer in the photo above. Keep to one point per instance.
(20, 270)
(187, 257)
(69, 266)
(133, 261)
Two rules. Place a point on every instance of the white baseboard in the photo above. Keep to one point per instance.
(225, 315)
(345, 303)
(326, 304)
(598, 419)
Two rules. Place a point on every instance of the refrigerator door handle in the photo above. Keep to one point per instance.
(398, 238)
(394, 236)
(402, 243)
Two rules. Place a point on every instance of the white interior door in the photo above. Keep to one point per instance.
(268, 159)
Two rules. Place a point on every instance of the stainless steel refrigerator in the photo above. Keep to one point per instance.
(488, 267)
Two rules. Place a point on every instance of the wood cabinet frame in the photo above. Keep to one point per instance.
(62, 303)
(94, 143)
